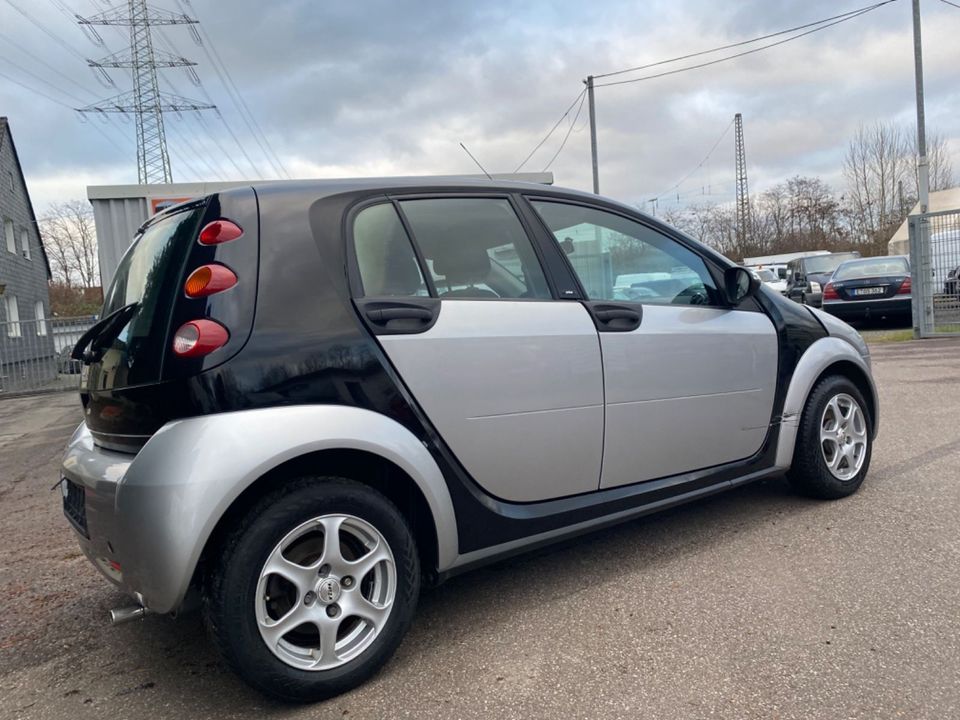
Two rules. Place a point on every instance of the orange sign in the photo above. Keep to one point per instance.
(160, 204)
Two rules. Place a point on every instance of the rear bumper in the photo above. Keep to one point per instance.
(99, 472)
(869, 309)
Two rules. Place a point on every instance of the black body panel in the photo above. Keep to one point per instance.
(309, 345)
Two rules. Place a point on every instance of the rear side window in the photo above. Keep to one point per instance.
(148, 275)
(385, 257)
(475, 248)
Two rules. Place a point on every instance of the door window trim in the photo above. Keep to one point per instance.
(395, 198)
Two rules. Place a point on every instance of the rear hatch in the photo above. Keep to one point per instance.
(131, 380)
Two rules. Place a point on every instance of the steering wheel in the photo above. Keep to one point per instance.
(691, 295)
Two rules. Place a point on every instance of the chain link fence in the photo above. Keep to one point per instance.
(935, 262)
(35, 354)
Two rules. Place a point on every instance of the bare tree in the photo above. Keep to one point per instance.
(880, 169)
(70, 239)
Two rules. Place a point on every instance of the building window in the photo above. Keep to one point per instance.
(10, 180)
(41, 319)
(25, 242)
(8, 233)
(13, 317)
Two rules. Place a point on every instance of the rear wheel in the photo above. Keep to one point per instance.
(314, 589)
(834, 441)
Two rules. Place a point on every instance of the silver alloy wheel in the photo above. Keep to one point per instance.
(325, 592)
(843, 436)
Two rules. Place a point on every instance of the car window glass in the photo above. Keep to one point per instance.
(385, 257)
(475, 248)
(872, 268)
(620, 259)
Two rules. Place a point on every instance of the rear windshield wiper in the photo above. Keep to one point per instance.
(102, 332)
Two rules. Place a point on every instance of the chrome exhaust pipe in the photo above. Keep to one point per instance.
(118, 616)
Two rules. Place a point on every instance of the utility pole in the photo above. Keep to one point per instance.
(145, 101)
(593, 134)
(923, 164)
(743, 193)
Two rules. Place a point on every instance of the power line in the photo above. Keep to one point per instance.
(567, 136)
(736, 44)
(43, 62)
(950, 3)
(854, 14)
(249, 118)
(40, 79)
(552, 130)
(699, 164)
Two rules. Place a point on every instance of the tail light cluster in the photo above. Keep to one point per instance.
(830, 292)
(197, 338)
(905, 287)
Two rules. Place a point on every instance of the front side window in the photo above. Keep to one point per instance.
(475, 248)
(13, 317)
(623, 260)
(385, 257)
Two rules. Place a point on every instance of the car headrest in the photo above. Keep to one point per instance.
(463, 263)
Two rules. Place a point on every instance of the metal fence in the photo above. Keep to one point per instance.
(935, 263)
(35, 354)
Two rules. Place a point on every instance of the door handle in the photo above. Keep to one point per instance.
(385, 315)
(399, 317)
(617, 314)
(615, 318)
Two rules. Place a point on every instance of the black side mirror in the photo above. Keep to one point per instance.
(739, 284)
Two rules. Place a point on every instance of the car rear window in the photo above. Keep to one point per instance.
(875, 267)
(148, 274)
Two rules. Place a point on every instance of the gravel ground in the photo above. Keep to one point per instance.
(751, 604)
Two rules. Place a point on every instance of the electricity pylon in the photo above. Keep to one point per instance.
(145, 101)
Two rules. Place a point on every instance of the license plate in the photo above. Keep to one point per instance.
(869, 291)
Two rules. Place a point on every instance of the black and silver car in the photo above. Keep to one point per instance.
(870, 289)
(305, 400)
(806, 276)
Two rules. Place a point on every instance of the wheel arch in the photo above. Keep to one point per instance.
(188, 479)
(362, 466)
(826, 356)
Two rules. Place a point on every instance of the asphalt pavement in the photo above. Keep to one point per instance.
(751, 604)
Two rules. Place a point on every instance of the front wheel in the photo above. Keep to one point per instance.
(314, 589)
(834, 441)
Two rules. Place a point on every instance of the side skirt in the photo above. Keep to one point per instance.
(485, 556)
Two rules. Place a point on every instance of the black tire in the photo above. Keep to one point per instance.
(809, 473)
(230, 589)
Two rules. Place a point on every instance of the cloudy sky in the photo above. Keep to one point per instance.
(390, 87)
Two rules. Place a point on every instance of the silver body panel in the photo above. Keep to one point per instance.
(167, 501)
(690, 388)
(515, 390)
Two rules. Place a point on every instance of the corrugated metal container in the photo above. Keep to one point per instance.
(118, 210)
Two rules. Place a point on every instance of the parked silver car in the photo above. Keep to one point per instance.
(305, 400)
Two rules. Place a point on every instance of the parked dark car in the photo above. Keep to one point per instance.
(870, 288)
(807, 276)
(305, 399)
(951, 285)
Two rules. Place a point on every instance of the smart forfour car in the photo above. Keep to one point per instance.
(304, 400)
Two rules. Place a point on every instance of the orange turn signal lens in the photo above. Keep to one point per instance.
(209, 279)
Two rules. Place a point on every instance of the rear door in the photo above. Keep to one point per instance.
(510, 377)
(689, 382)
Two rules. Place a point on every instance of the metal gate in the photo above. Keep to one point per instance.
(35, 354)
(935, 263)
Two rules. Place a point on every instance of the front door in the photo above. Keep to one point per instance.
(689, 382)
(510, 377)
